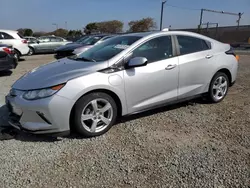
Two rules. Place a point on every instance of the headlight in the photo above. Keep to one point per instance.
(42, 93)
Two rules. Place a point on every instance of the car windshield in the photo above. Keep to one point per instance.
(107, 49)
(82, 39)
(91, 40)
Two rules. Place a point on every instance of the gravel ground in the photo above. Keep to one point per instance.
(191, 144)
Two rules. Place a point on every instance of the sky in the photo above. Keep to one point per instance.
(39, 15)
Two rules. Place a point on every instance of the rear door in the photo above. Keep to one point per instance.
(44, 45)
(195, 65)
(55, 43)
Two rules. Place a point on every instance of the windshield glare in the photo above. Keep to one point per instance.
(109, 48)
(91, 40)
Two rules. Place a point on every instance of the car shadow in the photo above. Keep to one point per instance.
(28, 137)
(5, 73)
(21, 59)
(166, 108)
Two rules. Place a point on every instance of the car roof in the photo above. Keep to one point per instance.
(155, 33)
(8, 31)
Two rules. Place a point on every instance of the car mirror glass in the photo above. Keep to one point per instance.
(137, 62)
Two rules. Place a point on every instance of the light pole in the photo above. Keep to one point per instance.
(162, 7)
(55, 25)
(66, 25)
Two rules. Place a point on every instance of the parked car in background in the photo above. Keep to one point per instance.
(16, 40)
(7, 58)
(46, 44)
(30, 39)
(123, 75)
(81, 45)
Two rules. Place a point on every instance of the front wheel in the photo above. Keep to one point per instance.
(218, 87)
(95, 114)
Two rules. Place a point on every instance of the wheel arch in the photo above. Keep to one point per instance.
(109, 92)
(227, 72)
(18, 51)
(32, 48)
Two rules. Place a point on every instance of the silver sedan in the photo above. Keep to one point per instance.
(124, 75)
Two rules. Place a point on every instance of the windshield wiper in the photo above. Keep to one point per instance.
(85, 59)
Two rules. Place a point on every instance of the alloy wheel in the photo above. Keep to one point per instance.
(220, 87)
(96, 115)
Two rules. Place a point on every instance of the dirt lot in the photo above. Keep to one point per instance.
(192, 144)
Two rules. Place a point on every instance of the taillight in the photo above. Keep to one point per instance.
(8, 50)
(231, 52)
(24, 41)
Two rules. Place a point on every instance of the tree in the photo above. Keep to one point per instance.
(25, 31)
(90, 28)
(145, 24)
(39, 33)
(59, 32)
(21, 31)
(73, 33)
(28, 32)
(113, 26)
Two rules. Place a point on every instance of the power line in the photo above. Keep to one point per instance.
(186, 8)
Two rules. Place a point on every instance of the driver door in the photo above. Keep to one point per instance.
(157, 82)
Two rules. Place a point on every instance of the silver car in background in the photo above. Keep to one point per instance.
(46, 44)
(124, 75)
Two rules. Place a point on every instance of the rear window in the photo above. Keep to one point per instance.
(188, 44)
(21, 36)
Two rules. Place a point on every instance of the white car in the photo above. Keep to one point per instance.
(16, 40)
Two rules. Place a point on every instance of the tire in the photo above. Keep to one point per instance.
(32, 51)
(17, 55)
(218, 87)
(97, 120)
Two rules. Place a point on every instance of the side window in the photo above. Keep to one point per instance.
(189, 44)
(156, 49)
(5, 36)
(56, 39)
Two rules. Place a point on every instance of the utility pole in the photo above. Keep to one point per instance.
(162, 7)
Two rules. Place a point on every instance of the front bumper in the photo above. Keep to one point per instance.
(44, 116)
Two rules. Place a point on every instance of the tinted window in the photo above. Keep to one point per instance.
(156, 49)
(5, 36)
(21, 36)
(109, 48)
(91, 40)
(191, 45)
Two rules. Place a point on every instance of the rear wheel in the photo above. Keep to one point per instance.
(17, 55)
(95, 114)
(218, 87)
(32, 51)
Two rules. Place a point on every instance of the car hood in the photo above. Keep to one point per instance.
(56, 73)
(69, 47)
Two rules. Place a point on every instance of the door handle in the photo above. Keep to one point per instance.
(209, 56)
(169, 67)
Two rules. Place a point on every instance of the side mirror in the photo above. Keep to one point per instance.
(137, 62)
(37, 41)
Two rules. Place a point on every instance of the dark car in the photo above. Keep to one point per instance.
(7, 58)
(80, 45)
